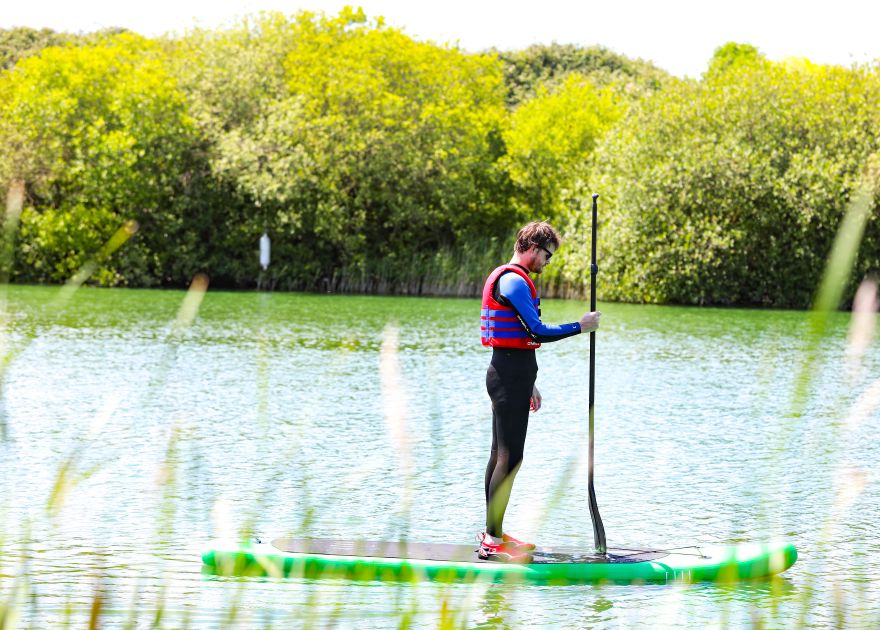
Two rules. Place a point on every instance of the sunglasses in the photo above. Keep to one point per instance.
(548, 252)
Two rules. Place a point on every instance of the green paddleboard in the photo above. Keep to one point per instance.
(400, 561)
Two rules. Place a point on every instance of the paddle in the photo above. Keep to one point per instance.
(598, 528)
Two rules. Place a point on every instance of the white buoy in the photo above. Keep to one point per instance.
(265, 249)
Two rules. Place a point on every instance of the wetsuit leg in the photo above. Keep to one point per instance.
(509, 381)
(493, 454)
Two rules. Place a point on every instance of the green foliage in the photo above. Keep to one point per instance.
(16, 43)
(732, 55)
(374, 146)
(730, 190)
(21, 42)
(234, 82)
(526, 71)
(99, 134)
(56, 243)
(231, 76)
(551, 139)
(402, 135)
(371, 159)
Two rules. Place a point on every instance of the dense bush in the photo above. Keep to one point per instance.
(729, 190)
(550, 140)
(100, 135)
(350, 141)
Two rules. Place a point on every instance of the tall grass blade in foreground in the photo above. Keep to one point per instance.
(394, 406)
(14, 206)
(848, 482)
(835, 279)
(119, 238)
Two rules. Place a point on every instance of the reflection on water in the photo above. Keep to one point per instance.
(130, 441)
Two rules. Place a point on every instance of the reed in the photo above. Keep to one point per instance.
(446, 272)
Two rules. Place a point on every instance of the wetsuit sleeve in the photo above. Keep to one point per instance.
(514, 291)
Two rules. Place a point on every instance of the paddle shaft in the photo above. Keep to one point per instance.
(598, 528)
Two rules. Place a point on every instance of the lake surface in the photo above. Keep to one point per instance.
(129, 440)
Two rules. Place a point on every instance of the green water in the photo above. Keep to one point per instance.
(129, 441)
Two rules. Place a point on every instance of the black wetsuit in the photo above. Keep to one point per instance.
(509, 381)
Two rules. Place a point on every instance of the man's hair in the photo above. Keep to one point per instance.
(537, 233)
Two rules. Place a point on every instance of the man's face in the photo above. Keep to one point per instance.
(540, 257)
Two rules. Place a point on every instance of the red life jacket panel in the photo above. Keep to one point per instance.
(499, 325)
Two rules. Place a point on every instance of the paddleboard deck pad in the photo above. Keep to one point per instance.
(403, 561)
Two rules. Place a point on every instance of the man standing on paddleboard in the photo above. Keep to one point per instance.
(510, 323)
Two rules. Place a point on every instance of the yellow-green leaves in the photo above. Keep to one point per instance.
(96, 133)
(551, 139)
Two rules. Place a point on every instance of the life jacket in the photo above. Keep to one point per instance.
(499, 325)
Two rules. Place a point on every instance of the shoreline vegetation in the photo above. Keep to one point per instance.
(377, 163)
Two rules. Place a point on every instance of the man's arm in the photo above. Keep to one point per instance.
(514, 291)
